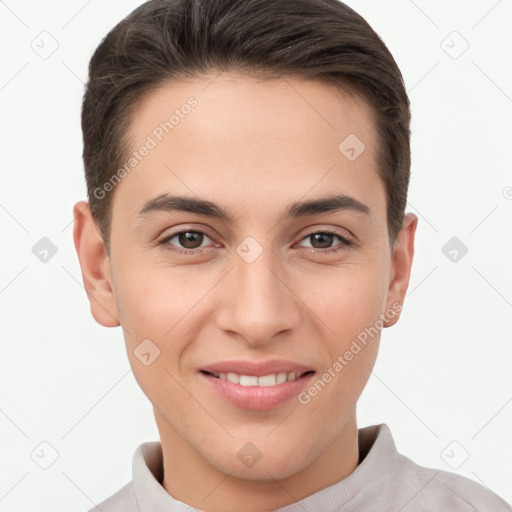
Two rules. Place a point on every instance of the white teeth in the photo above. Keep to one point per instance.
(263, 381)
(233, 377)
(281, 377)
(267, 380)
(246, 380)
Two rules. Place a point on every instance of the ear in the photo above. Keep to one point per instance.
(401, 263)
(95, 265)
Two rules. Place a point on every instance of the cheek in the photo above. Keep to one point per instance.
(153, 310)
(349, 358)
(346, 300)
(157, 308)
(152, 301)
(348, 306)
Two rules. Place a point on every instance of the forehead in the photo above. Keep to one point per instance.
(262, 110)
(232, 136)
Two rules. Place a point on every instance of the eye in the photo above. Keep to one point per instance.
(190, 240)
(322, 241)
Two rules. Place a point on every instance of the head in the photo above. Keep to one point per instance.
(247, 167)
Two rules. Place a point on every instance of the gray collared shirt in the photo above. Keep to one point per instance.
(384, 481)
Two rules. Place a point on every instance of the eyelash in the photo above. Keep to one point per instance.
(345, 242)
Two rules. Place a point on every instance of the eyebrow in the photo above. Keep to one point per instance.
(327, 204)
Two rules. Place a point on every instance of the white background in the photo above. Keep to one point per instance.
(443, 373)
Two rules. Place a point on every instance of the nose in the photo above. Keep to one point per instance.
(259, 301)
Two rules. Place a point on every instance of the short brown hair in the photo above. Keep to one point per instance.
(164, 40)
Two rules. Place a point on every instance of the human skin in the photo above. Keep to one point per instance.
(252, 147)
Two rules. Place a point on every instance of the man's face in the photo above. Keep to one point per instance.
(255, 286)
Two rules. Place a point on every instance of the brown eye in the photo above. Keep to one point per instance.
(187, 242)
(322, 241)
(190, 239)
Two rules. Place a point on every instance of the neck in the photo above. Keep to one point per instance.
(189, 478)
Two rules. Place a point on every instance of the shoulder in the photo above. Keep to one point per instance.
(429, 490)
(122, 501)
(396, 483)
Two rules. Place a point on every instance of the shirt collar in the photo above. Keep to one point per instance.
(147, 477)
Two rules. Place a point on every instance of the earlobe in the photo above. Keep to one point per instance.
(401, 264)
(95, 266)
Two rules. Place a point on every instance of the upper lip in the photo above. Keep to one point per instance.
(256, 368)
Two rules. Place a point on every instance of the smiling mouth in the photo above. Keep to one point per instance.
(272, 379)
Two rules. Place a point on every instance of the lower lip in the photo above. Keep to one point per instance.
(257, 398)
